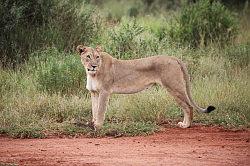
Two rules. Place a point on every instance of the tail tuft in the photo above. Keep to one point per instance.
(210, 109)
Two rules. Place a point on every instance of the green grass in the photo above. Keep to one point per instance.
(46, 94)
(29, 112)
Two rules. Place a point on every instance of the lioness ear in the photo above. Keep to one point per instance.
(81, 49)
(98, 49)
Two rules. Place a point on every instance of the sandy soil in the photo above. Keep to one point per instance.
(173, 146)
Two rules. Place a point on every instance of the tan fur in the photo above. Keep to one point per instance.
(130, 76)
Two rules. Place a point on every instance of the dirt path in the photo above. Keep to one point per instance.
(174, 146)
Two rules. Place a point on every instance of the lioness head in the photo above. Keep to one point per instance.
(91, 58)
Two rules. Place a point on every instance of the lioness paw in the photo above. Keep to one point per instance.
(183, 125)
(97, 127)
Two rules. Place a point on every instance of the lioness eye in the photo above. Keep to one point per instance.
(88, 56)
(97, 57)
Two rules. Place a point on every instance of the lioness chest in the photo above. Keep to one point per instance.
(92, 83)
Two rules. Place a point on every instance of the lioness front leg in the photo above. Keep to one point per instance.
(94, 100)
(102, 106)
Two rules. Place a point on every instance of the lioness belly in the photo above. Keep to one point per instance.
(129, 89)
(133, 84)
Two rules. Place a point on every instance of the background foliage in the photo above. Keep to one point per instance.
(203, 23)
(42, 81)
(33, 25)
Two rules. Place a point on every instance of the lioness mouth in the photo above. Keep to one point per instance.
(91, 69)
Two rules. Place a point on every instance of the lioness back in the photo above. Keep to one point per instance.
(139, 74)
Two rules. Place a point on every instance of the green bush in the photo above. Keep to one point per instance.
(203, 23)
(123, 37)
(130, 40)
(73, 23)
(58, 72)
(32, 25)
(19, 25)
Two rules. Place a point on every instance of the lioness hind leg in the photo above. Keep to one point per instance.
(188, 115)
(181, 99)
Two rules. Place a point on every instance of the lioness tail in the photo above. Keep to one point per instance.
(191, 101)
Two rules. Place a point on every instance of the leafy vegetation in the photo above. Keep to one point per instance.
(42, 85)
(203, 23)
(34, 25)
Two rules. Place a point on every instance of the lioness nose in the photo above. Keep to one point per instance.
(94, 66)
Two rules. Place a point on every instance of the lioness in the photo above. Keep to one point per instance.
(106, 75)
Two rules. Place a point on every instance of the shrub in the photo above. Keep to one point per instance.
(130, 40)
(123, 37)
(203, 23)
(73, 23)
(19, 23)
(155, 25)
(31, 25)
(57, 72)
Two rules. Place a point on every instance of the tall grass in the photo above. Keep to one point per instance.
(46, 94)
(29, 111)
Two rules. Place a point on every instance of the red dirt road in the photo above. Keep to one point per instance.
(173, 146)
